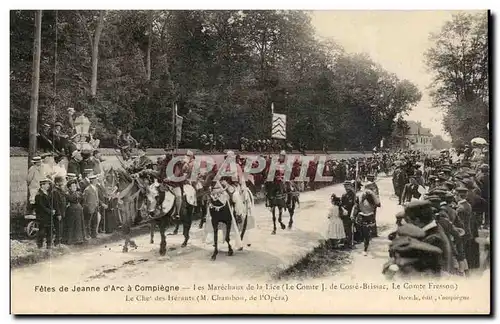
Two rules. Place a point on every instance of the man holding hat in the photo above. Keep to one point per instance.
(44, 213)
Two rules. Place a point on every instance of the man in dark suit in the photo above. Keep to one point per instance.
(464, 213)
(91, 204)
(348, 200)
(44, 213)
(59, 202)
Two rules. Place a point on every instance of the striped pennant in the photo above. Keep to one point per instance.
(278, 129)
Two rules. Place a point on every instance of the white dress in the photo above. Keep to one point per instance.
(335, 225)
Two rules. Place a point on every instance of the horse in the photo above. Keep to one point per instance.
(277, 197)
(129, 199)
(161, 213)
(221, 210)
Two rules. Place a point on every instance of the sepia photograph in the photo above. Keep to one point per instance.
(250, 162)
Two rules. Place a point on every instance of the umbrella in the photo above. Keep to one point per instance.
(478, 141)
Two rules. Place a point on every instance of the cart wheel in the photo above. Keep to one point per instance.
(31, 229)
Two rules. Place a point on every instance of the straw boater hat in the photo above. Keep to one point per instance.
(36, 159)
(58, 124)
(93, 176)
(44, 181)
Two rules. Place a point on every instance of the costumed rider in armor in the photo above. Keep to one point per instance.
(169, 183)
(233, 180)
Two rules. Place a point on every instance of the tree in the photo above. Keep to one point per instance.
(438, 143)
(35, 75)
(459, 61)
(223, 69)
(94, 39)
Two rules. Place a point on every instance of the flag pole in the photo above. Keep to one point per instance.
(173, 126)
(175, 134)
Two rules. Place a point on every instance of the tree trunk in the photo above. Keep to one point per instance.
(95, 53)
(148, 50)
(35, 84)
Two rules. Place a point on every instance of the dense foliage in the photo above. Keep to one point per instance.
(459, 60)
(222, 68)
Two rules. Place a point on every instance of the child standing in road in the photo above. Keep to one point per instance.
(335, 227)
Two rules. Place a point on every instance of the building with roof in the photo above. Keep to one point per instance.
(417, 137)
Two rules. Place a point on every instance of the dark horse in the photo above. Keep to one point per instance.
(162, 214)
(220, 212)
(282, 195)
(128, 199)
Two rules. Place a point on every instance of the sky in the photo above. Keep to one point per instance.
(395, 39)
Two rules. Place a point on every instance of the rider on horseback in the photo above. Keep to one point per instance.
(234, 181)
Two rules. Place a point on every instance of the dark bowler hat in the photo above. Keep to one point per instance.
(419, 209)
(348, 183)
(48, 154)
(407, 247)
(471, 173)
(370, 177)
(442, 177)
(468, 183)
(411, 231)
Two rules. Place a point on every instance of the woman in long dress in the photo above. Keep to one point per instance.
(335, 231)
(73, 222)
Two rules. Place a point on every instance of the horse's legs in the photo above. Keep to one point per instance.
(273, 210)
(280, 215)
(176, 229)
(215, 225)
(152, 227)
(228, 232)
(203, 208)
(186, 224)
(163, 243)
(291, 210)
